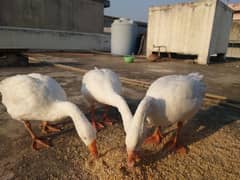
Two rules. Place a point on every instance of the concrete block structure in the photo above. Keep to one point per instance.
(41, 39)
(70, 15)
(198, 28)
(234, 38)
(53, 24)
(234, 41)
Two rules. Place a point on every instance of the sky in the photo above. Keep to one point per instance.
(138, 9)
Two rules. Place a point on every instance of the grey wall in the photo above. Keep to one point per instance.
(221, 29)
(13, 38)
(71, 15)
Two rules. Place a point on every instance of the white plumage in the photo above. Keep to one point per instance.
(103, 86)
(28, 97)
(39, 97)
(170, 99)
(176, 98)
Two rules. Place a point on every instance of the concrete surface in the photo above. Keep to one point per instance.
(234, 41)
(70, 15)
(212, 136)
(222, 79)
(236, 9)
(198, 28)
(29, 38)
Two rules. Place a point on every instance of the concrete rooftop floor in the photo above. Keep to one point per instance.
(212, 136)
(222, 78)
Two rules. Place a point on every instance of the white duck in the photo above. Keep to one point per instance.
(39, 97)
(103, 86)
(170, 99)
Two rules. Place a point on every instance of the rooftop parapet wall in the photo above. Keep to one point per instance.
(67, 15)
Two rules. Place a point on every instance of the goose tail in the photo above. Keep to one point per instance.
(196, 76)
(199, 84)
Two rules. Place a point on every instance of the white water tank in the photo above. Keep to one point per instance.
(124, 35)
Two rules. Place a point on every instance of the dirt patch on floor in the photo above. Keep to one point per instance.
(212, 139)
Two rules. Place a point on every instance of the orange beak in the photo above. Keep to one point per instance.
(132, 158)
(93, 149)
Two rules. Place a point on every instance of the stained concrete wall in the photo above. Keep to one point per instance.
(235, 31)
(234, 41)
(71, 15)
(190, 28)
(13, 38)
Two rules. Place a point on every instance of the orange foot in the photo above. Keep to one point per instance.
(98, 126)
(173, 147)
(154, 139)
(133, 157)
(38, 144)
(107, 122)
(181, 150)
(46, 128)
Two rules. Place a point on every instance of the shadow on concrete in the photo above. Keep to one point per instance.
(216, 60)
(203, 125)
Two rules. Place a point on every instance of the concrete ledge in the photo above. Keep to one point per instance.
(29, 38)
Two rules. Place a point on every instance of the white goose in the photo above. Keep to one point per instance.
(170, 99)
(39, 97)
(103, 86)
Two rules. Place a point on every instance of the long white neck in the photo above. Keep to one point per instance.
(136, 131)
(82, 125)
(142, 111)
(119, 102)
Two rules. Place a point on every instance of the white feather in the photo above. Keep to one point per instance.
(39, 97)
(172, 99)
(103, 86)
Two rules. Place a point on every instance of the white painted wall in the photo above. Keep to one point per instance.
(200, 28)
(234, 40)
(28, 38)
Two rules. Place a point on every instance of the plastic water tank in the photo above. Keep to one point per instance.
(124, 35)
